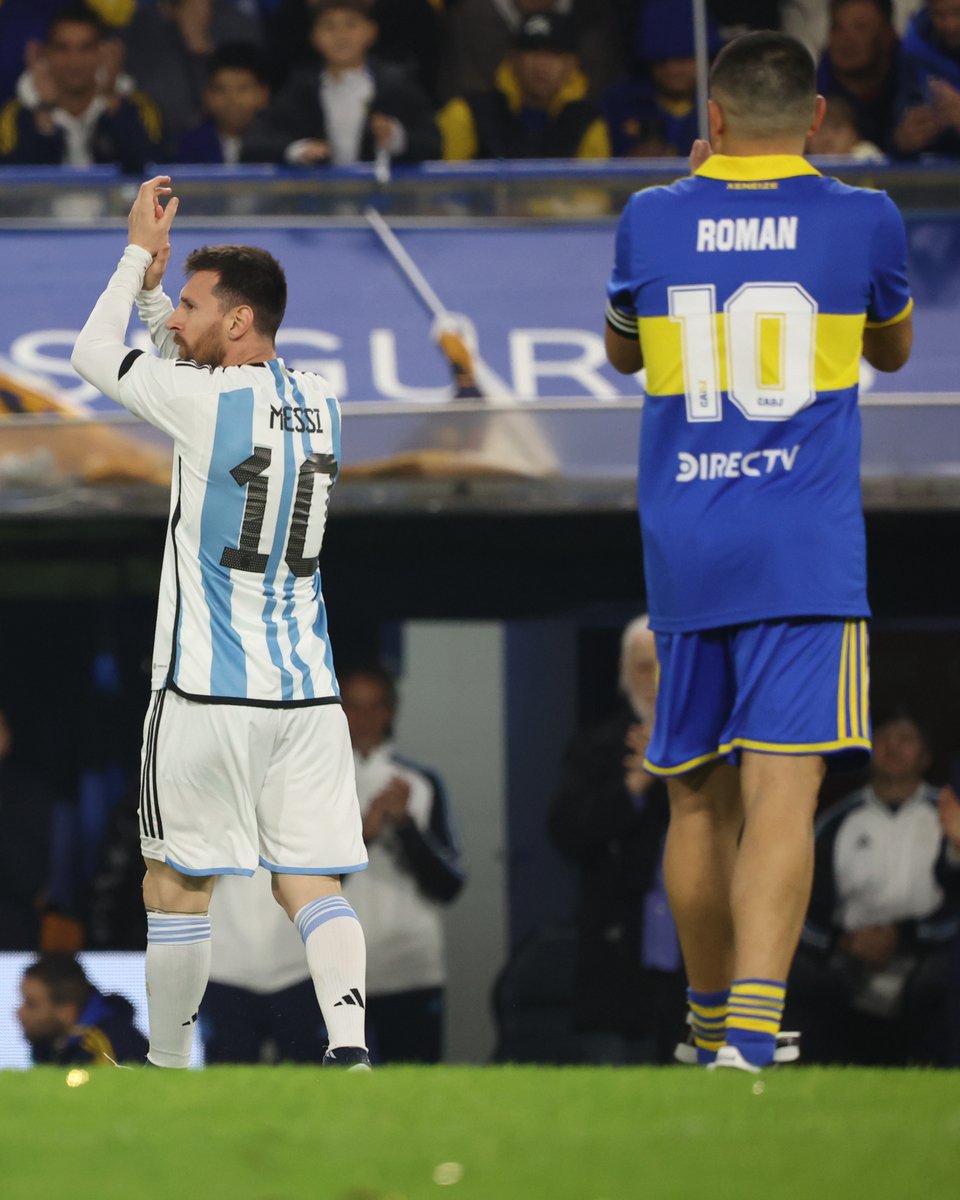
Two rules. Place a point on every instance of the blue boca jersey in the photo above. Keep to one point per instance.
(749, 285)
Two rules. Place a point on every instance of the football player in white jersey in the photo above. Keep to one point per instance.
(246, 753)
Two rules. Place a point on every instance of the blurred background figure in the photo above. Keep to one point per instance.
(67, 1021)
(26, 805)
(74, 106)
(869, 981)
(838, 134)
(948, 804)
(538, 107)
(169, 45)
(347, 107)
(416, 867)
(236, 92)
(259, 1005)
(610, 818)
(654, 111)
(930, 98)
(480, 33)
(862, 64)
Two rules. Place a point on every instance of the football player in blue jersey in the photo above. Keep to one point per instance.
(748, 292)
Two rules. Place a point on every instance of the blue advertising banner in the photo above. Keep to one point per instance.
(535, 296)
(531, 299)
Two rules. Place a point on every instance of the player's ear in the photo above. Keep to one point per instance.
(718, 122)
(241, 319)
(818, 114)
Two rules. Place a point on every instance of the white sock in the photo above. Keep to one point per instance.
(178, 967)
(337, 958)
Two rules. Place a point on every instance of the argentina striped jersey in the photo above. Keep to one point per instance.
(241, 617)
(749, 286)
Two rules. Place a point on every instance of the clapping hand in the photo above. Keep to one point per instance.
(148, 224)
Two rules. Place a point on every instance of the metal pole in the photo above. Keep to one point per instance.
(701, 49)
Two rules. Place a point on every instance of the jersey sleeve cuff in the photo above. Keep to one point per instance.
(626, 324)
(901, 316)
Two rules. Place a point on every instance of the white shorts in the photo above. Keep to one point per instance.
(224, 787)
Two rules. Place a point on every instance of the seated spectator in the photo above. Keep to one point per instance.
(70, 110)
(349, 108)
(169, 44)
(24, 24)
(930, 96)
(610, 818)
(480, 34)
(415, 869)
(25, 808)
(838, 134)
(654, 112)
(538, 108)
(868, 984)
(68, 1022)
(862, 64)
(236, 91)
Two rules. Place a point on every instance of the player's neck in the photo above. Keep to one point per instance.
(740, 147)
(255, 352)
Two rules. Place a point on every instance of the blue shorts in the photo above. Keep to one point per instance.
(777, 687)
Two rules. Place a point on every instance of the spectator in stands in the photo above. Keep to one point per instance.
(654, 112)
(930, 96)
(409, 36)
(480, 34)
(610, 818)
(349, 108)
(538, 108)
(169, 44)
(70, 106)
(868, 983)
(237, 90)
(415, 869)
(25, 808)
(68, 1022)
(24, 24)
(862, 64)
(838, 134)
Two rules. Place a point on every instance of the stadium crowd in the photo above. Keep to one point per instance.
(332, 82)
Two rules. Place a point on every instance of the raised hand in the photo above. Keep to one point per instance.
(700, 151)
(156, 269)
(148, 224)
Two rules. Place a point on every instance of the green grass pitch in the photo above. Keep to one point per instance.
(461, 1133)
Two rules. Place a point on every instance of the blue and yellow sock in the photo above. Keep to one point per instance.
(708, 1011)
(753, 1018)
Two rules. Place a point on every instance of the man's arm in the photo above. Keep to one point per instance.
(887, 347)
(623, 354)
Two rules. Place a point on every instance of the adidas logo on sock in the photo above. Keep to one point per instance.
(192, 1021)
(352, 997)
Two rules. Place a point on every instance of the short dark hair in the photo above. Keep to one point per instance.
(319, 7)
(75, 14)
(239, 56)
(885, 7)
(63, 976)
(766, 84)
(248, 275)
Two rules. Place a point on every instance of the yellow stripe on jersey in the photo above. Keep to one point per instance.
(901, 316)
(770, 329)
(864, 681)
(839, 341)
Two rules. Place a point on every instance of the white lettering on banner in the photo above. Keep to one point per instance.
(747, 233)
(28, 352)
(585, 369)
(383, 363)
(733, 464)
(334, 370)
